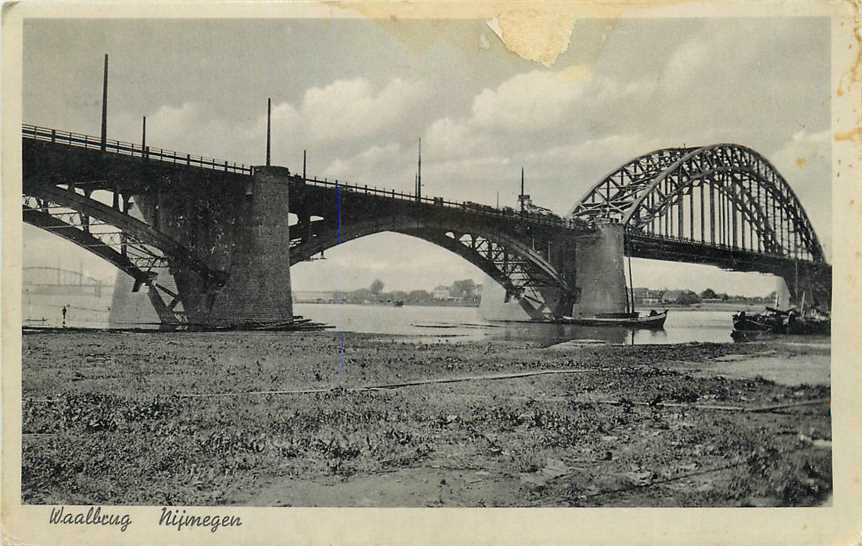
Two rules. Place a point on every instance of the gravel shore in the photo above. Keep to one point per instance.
(341, 419)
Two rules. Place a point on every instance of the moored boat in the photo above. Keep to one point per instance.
(630, 319)
(778, 321)
(654, 320)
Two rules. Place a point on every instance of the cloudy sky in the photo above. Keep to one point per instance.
(358, 94)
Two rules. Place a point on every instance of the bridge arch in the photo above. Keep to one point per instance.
(523, 272)
(131, 245)
(725, 195)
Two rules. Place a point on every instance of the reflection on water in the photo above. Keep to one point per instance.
(464, 323)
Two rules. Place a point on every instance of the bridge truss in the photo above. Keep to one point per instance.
(525, 271)
(724, 204)
(113, 234)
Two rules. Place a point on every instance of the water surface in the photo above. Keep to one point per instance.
(464, 323)
(431, 323)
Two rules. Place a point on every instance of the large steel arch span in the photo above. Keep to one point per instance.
(614, 191)
(525, 274)
(723, 195)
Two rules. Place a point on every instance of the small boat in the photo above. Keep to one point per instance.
(630, 319)
(653, 321)
(758, 322)
(778, 321)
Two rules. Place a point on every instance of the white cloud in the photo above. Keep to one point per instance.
(531, 101)
(448, 138)
(342, 112)
(610, 150)
(348, 109)
(684, 66)
(363, 165)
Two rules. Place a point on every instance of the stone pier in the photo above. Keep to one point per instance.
(242, 230)
(258, 285)
(600, 272)
(595, 268)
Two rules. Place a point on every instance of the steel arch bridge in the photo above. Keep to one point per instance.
(723, 204)
(62, 172)
(723, 195)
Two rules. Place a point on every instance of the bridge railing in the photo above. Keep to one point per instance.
(478, 208)
(169, 156)
(130, 149)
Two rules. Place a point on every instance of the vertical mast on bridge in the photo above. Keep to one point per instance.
(268, 125)
(523, 198)
(419, 174)
(104, 140)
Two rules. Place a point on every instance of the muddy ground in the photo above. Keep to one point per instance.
(183, 418)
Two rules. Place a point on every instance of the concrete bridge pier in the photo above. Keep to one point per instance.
(600, 272)
(594, 265)
(258, 289)
(801, 284)
(240, 230)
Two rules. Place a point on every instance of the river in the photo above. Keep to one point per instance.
(431, 323)
(464, 323)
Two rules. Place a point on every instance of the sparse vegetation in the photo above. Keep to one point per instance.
(103, 423)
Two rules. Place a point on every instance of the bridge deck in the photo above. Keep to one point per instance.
(162, 157)
(641, 244)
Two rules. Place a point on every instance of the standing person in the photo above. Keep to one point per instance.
(64, 316)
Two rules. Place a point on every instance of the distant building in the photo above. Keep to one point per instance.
(671, 296)
(647, 296)
(441, 293)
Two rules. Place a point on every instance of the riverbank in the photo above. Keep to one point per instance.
(277, 419)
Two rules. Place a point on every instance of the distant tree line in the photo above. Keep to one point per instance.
(689, 297)
(461, 292)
